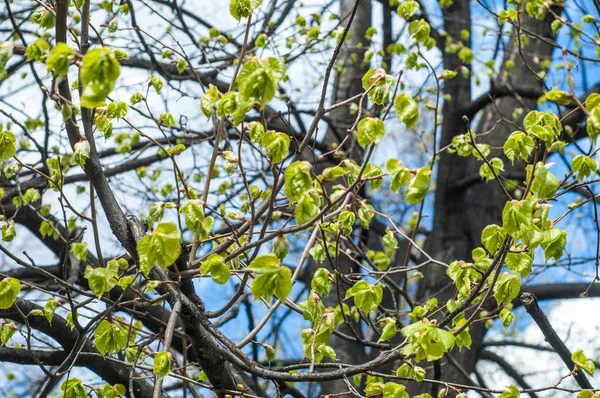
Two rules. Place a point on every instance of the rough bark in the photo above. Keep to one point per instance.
(464, 203)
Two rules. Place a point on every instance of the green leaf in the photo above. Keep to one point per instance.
(507, 287)
(6, 332)
(561, 97)
(553, 241)
(8, 145)
(117, 110)
(161, 247)
(281, 246)
(277, 145)
(418, 186)
(487, 173)
(492, 237)
(506, 317)
(370, 131)
(72, 388)
(306, 210)
(80, 251)
(297, 180)
(407, 110)
(382, 84)
(37, 50)
(321, 282)
(8, 231)
(394, 390)
(367, 297)
(162, 364)
(99, 72)
(59, 59)
(208, 100)
(216, 267)
(109, 338)
(544, 183)
(256, 131)
(101, 280)
(584, 166)
(9, 289)
(519, 263)
(419, 30)
(517, 218)
(108, 391)
(518, 145)
(510, 392)
(389, 329)
(260, 78)
(407, 9)
(243, 8)
(274, 278)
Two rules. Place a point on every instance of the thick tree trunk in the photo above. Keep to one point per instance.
(464, 203)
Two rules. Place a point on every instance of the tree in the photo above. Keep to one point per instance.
(241, 207)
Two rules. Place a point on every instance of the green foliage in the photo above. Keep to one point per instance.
(507, 288)
(59, 59)
(370, 131)
(276, 145)
(584, 166)
(208, 100)
(259, 79)
(367, 297)
(72, 388)
(418, 186)
(406, 109)
(110, 338)
(427, 341)
(274, 279)
(161, 247)
(8, 145)
(297, 180)
(380, 85)
(162, 364)
(102, 279)
(9, 289)
(99, 72)
(581, 361)
(518, 146)
(243, 8)
(216, 267)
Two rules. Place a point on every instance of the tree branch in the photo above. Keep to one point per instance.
(532, 307)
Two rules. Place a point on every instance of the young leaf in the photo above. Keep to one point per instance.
(109, 338)
(9, 289)
(161, 247)
(584, 166)
(276, 145)
(507, 287)
(407, 110)
(370, 131)
(418, 186)
(216, 267)
(382, 85)
(8, 145)
(72, 388)
(99, 72)
(274, 278)
(321, 282)
(297, 180)
(162, 364)
(367, 297)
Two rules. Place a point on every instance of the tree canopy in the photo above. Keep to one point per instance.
(271, 197)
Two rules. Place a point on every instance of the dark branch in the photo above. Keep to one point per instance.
(532, 307)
